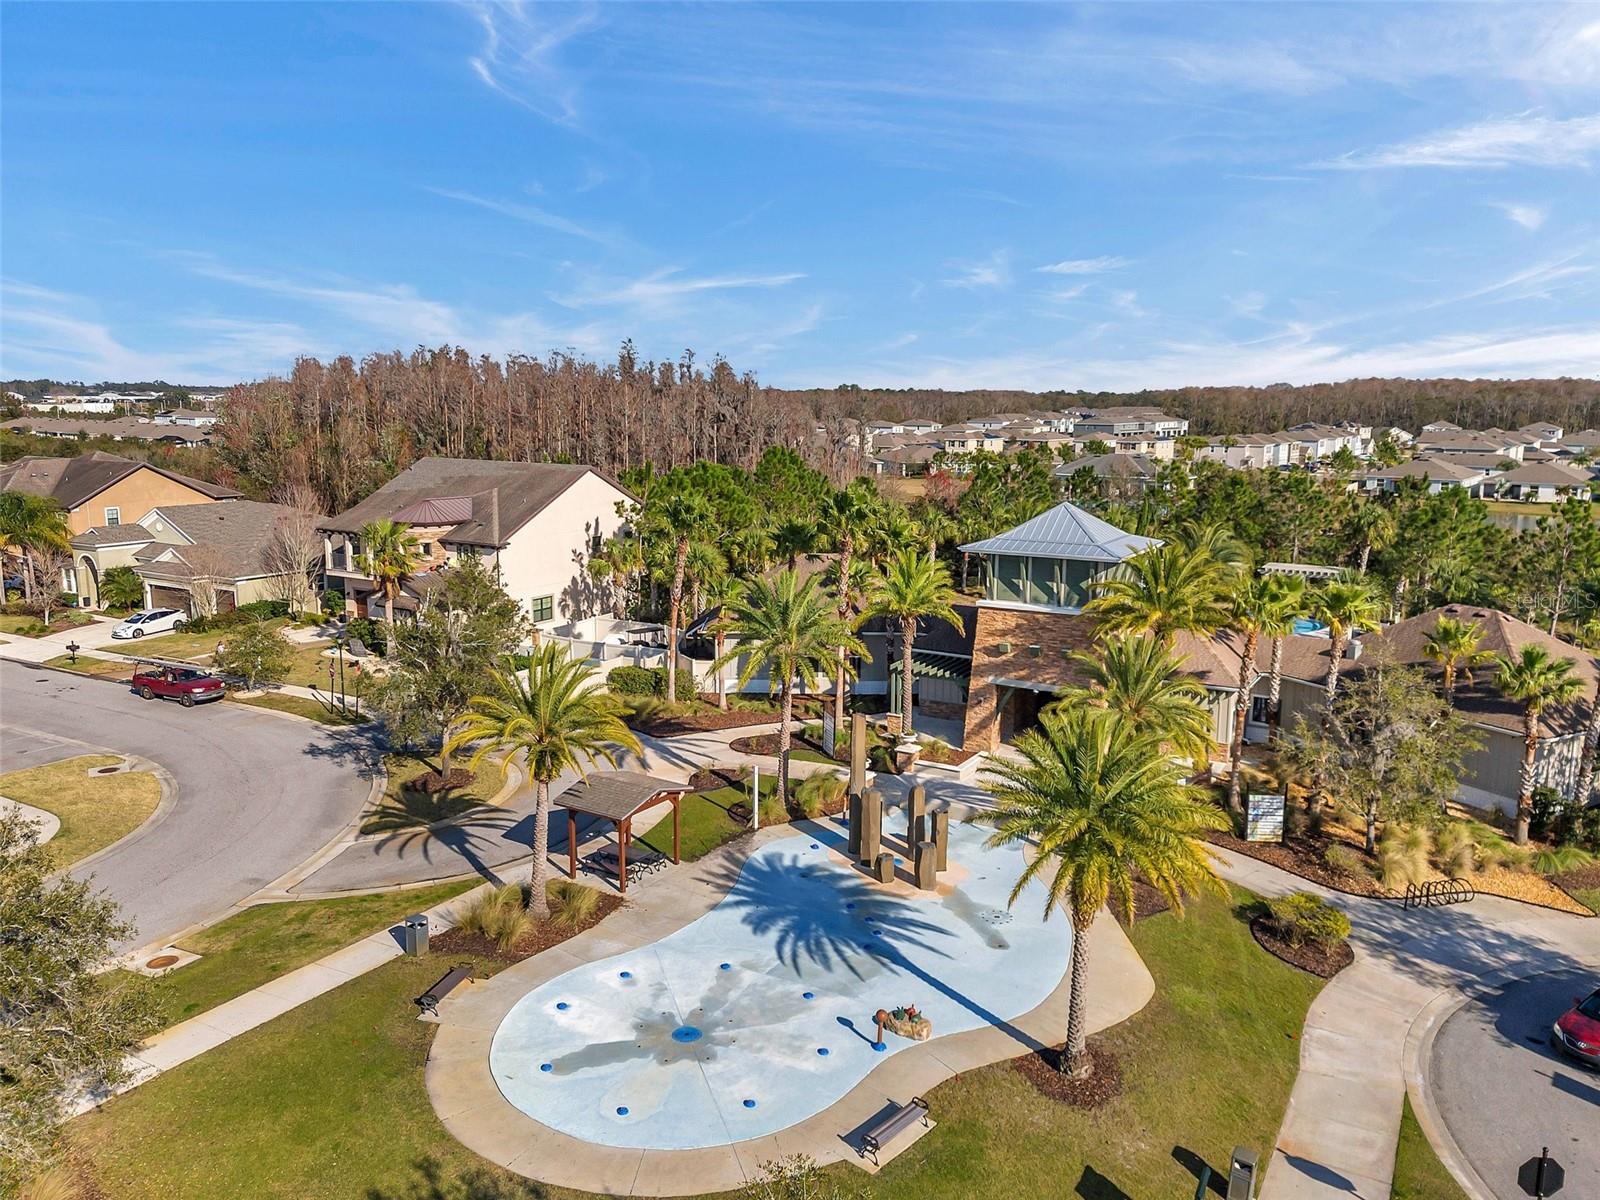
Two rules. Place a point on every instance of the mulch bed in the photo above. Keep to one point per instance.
(1147, 902)
(1103, 1084)
(431, 783)
(457, 942)
(1303, 856)
(1325, 962)
(946, 758)
(1582, 878)
(767, 743)
(710, 779)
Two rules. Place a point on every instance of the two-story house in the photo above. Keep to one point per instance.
(537, 525)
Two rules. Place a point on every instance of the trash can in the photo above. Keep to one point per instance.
(1242, 1174)
(414, 935)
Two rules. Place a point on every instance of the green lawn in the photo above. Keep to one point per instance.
(95, 810)
(88, 664)
(328, 1101)
(261, 943)
(300, 706)
(405, 808)
(1418, 1173)
(308, 667)
(706, 823)
(27, 625)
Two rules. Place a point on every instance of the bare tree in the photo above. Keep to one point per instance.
(207, 570)
(50, 568)
(295, 546)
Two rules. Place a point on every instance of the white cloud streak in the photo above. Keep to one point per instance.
(1085, 266)
(532, 214)
(1529, 216)
(1524, 140)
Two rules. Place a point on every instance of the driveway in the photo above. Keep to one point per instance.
(1505, 1092)
(256, 793)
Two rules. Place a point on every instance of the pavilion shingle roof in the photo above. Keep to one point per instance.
(615, 795)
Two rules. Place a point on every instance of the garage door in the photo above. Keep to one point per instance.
(169, 597)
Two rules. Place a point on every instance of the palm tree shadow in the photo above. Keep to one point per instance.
(432, 1182)
(818, 916)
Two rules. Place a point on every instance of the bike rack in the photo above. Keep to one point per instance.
(1435, 893)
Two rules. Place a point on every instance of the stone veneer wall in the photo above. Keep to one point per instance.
(1056, 634)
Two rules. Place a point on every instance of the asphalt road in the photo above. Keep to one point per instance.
(257, 794)
(1505, 1092)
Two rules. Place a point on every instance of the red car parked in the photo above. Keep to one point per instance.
(1578, 1030)
(175, 681)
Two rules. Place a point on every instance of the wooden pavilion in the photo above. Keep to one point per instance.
(619, 797)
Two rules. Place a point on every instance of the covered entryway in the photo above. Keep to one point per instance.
(1019, 705)
(88, 582)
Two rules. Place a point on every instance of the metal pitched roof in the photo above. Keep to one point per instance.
(1065, 531)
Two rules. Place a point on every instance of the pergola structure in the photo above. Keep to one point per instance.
(618, 797)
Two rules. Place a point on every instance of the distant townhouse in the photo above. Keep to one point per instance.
(1119, 476)
(100, 489)
(185, 416)
(1543, 431)
(967, 439)
(1465, 442)
(73, 404)
(1438, 473)
(1251, 450)
(118, 429)
(1441, 427)
(536, 524)
(1585, 442)
(1545, 483)
(1320, 442)
(1132, 429)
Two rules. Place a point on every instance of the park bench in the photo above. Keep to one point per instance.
(428, 1002)
(899, 1119)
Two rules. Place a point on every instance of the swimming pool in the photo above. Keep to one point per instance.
(759, 1014)
(1306, 627)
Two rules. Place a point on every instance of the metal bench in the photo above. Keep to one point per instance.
(902, 1118)
(428, 1002)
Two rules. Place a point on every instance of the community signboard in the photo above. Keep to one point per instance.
(1264, 818)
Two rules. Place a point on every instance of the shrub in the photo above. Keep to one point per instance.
(571, 904)
(820, 793)
(121, 587)
(1559, 859)
(1403, 856)
(1342, 860)
(502, 916)
(1495, 850)
(634, 681)
(1552, 814)
(1455, 851)
(1303, 917)
(371, 634)
(332, 602)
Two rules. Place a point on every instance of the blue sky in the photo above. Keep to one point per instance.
(1038, 196)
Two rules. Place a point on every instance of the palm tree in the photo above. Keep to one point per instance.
(1142, 680)
(1537, 680)
(911, 587)
(390, 555)
(1288, 605)
(789, 629)
(704, 562)
(1457, 646)
(1374, 528)
(845, 516)
(559, 720)
(1162, 590)
(937, 528)
(792, 538)
(32, 525)
(1099, 801)
(1591, 747)
(1256, 609)
(892, 531)
(680, 517)
(1345, 606)
(721, 591)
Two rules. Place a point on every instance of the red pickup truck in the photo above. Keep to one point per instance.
(187, 685)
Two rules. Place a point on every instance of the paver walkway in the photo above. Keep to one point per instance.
(1362, 1039)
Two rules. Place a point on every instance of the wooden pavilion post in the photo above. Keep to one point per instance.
(572, 843)
(677, 797)
(624, 831)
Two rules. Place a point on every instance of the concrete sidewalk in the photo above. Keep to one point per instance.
(1358, 1051)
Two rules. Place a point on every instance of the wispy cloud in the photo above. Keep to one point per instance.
(992, 272)
(1524, 140)
(532, 214)
(1085, 266)
(521, 55)
(669, 284)
(1529, 216)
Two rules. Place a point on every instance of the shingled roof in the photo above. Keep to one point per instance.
(1065, 531)
(482, 502)
(70, 481)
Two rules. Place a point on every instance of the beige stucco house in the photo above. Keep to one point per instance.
(536, 524)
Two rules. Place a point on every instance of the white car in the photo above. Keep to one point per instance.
(150, 620)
